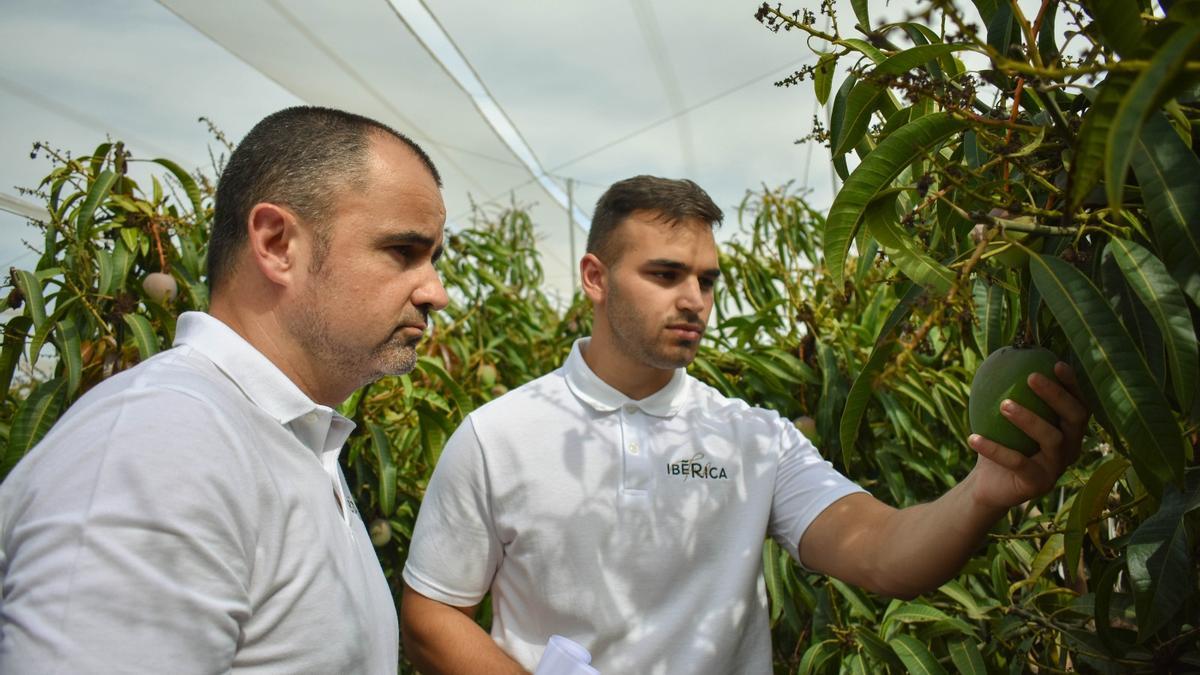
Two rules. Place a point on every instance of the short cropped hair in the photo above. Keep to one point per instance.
(673, 200)
(299, 157)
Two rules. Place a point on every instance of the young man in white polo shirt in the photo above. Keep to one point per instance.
(188, 515)
(622, 503)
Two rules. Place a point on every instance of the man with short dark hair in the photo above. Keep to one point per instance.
(189, 515)
(622, 504)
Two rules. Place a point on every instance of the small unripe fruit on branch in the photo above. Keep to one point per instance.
(160, 287)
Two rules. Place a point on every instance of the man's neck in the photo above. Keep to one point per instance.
(621, 372)
(262, 328)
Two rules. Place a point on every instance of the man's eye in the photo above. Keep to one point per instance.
(665, 276)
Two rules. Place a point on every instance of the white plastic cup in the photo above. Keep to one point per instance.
(565, 657)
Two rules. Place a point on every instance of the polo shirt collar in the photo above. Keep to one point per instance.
(589, 388)
(319, 427)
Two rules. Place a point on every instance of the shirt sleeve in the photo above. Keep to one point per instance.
(805, 485)
(126, 543)
(455, 550)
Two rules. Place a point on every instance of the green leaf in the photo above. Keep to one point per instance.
(876, 647)
(1047, 35)
(855, 664)
(187, 182)
(859, 603)
(1116, 370)
(989, 316)
(823, 76)
(1001, 27)
(33, 419)
(776, 565)
(966, 656)
(958, 593)
(772, 577)
(861, 13)
(860, 105)
(31, 289)
(920, 34)
(916, 656)
(107, 271)
(864, 384)
(1051, 551)
(973, 152)
(1143, 95)
(837, 115)
(914, 612)
(870, 93)
(143, 335)
(14, 343)
(61, 306)
(1149, 278)
(817, 656)
(95, 195)
(1088, 505)
(832, 399)
(1092, 142)
(1120, 23)
(382, 449)
(1161, 569)
(122, 261)
(1134, 316)
(70, 353)
(1105, 590)
(1166, 168)
(875, 174)
(432, 366)
(132, 237)
(715, 376)
(884, 224)
(866, 49)
(1033, 143)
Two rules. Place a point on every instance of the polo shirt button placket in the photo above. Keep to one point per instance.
(636, 464)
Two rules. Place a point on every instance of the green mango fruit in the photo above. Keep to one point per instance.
(487, 375)
(381, 532)
(807, 426)
(1003, 375)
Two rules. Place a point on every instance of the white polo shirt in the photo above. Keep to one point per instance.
(634, 528)
(183, 517)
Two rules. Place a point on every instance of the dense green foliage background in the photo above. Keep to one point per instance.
(1049, 196)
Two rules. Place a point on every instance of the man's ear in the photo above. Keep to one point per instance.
(273, 233)
(593, 274)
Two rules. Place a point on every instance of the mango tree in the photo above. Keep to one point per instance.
(1033, 179)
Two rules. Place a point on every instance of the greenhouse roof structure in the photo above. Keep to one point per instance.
(538, 104)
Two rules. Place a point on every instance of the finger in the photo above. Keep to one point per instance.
(1068, 404)
(1066, 375)
(1004, 456)
(1048, 436)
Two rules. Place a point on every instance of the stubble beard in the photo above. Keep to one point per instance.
(396, 355)
(628, 327)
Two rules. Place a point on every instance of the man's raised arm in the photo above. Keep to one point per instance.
(906, 552)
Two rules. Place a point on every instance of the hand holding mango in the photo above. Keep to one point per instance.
(1005, 375)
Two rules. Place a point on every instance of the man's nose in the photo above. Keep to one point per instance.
(691, 297)
(431, 293)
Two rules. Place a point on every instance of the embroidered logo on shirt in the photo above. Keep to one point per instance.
(696, 467)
